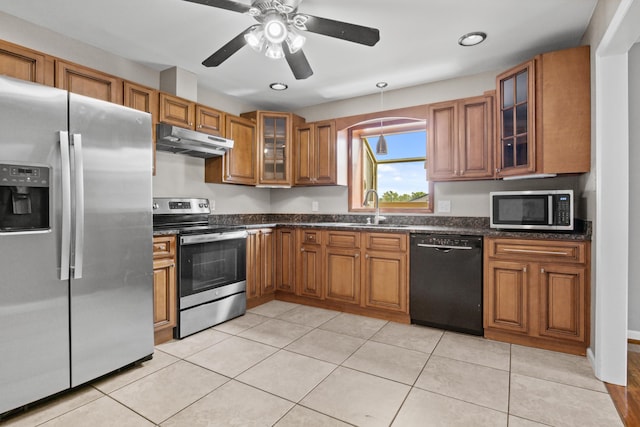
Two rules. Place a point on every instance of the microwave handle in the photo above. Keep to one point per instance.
(550, 210)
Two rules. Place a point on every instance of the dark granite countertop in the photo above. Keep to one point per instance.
(475, 226)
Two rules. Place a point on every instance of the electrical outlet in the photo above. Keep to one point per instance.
(314, 206)
(444, 206)
(212, 205)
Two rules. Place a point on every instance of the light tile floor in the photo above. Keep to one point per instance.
(285, 364)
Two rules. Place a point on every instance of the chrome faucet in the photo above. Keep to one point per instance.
(377, 218)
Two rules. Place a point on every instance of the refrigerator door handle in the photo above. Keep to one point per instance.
(76, 266)
(65, 244)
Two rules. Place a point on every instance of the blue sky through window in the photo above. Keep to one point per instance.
(405, 177)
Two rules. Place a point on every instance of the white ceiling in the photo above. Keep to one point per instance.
(418, 41)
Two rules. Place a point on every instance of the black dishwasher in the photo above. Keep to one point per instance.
(446, 282)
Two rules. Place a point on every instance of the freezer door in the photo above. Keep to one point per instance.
(111, 256)
(34, 301)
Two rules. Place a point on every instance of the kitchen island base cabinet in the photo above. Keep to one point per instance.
(536, 293)
(165, 302)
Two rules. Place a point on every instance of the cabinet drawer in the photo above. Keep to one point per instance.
(164, 247)
(311, 236)
(386, 241)
(343, 239)
(538, 250)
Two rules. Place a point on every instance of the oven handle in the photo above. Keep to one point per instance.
(212, 237)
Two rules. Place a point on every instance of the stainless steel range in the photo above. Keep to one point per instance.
(211, 264)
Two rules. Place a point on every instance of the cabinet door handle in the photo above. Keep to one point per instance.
(533, 251)
(542, 270)
(524, 269)
(366, 256)
(301, 249)
(357, 255)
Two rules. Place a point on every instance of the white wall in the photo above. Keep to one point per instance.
(634, 194)
(466, 198)
(407, 97)
(602, 15)
(29, 35)
(182, 176)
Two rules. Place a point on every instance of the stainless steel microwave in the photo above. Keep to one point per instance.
(532, 210)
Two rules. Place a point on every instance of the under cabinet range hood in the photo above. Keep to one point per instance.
(189, 142)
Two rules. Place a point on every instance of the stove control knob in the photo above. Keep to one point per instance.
(156, 206)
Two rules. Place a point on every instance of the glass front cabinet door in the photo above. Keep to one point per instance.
(515, 153)
(275, 152)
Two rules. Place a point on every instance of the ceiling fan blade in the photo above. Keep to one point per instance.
(222, 54)
(298, 63)
(342, 30)
(224, 4)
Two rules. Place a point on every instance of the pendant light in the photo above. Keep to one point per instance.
(381, 146)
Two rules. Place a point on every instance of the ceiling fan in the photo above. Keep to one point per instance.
(278, 32)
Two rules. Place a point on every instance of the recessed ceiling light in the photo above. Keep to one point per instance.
(278, 86)
(472, 39)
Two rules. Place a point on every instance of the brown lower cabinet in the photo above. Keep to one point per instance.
(260, 266)
(536, 293)
(285, 259)
(351, 271)
(164, 288)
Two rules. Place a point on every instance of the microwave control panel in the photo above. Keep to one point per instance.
(562, 209)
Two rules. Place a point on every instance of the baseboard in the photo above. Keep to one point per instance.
(592, 359)
(633, 335)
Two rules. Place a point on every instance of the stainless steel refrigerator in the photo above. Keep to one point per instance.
(76, 267)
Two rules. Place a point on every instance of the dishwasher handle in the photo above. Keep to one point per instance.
(464, 248)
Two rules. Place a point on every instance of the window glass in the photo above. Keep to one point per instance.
(399, 177)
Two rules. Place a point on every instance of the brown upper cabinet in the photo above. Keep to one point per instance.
(209, 120)
(143, 99)
(25, 64)
(275, 133)
(86, 81)
(544, 115)
(315, 153)
(177, 111)
(238, 165)
(187, 114)
(460, 137)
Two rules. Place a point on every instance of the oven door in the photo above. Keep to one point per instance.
(209, 261)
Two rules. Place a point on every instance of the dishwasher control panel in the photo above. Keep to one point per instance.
(434, 240)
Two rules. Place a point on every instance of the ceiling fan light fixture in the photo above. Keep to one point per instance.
(472, 39)
(295, 41)
(274, 51)
(275, 30)
(255, 39)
